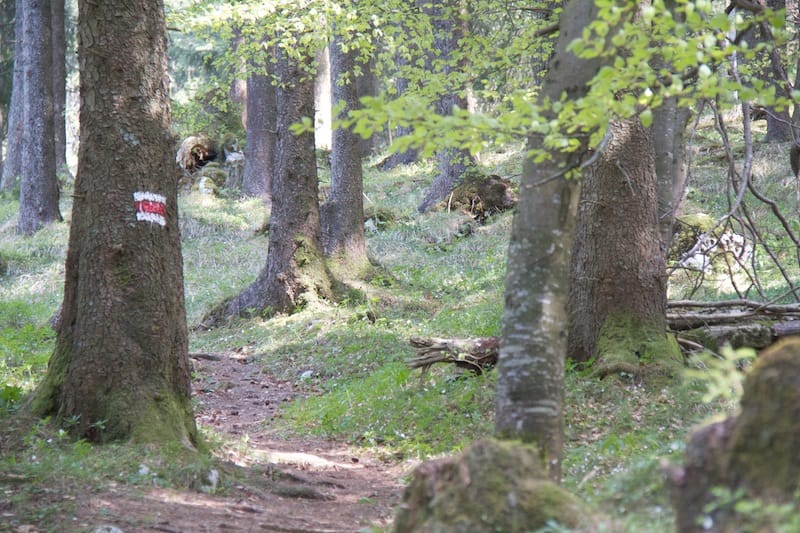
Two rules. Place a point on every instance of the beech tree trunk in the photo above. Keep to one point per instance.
(12, 165)
(530, 381)
(343, 213)
(295, 269)
(38, 196)
(120, 368)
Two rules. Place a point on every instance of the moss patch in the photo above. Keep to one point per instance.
(627, 344)
(491, 486)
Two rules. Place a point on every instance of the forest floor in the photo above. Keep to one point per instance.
(271, 483)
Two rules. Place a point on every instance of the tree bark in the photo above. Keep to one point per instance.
(58, 23)
(120, 367)
(530, 382)
(259, 162)
(38, 197)
(12, 166)
(295, 271)
(6, 65)
(451, 163)
(343, 213)
(618, 293)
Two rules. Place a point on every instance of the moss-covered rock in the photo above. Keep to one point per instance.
(491, 486)
(749, 457)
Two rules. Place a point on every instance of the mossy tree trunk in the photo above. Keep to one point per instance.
(618, 274)
(38, 195)
(530, 382)
(295, 271)
(120, 367)
(343, 213)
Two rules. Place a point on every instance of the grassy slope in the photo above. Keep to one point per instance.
(433, 280)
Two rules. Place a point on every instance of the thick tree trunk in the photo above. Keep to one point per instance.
(38, 196)
(120, 368)
(259, 162)
(12, 166)
(618, 293)
(343, 213)
(295, 271)
(530, 382)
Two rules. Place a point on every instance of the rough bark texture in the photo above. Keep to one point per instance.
(530, 383)
(343, 213)
(259, 162)
(755, 452)
(38, 195)
(295, 271)
(12, 165)
(120, 367)
(618, 295)
(58, 21)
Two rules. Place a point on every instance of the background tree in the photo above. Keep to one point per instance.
(59, 75)
(120, 367)
(12, 165)
(6, 65)
(448, 25)
(343, 213)
(295, 271)
(39, 190)
(259, 162)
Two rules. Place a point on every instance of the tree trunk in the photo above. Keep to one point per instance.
(343, 214)
(38, 196)
(451, 163)
(12, 167)
(120, 368)
(669, 126)
(295, 271)
(618, 293)
(60, 87)
(395, 159)
(259, 162)
(6, 65)
(530, 381)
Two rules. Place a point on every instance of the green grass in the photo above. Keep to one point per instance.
(437, 275)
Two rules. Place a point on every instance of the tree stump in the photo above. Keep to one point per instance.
(491, 486)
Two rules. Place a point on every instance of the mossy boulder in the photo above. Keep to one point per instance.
(750, 457)
(491, 486)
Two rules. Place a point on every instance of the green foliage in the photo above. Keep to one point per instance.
(722, 374)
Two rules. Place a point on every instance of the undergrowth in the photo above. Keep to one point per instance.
(436, 275)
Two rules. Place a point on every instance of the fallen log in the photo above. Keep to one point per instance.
(476, 355)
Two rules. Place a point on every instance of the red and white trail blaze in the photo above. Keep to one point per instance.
(151, 207)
